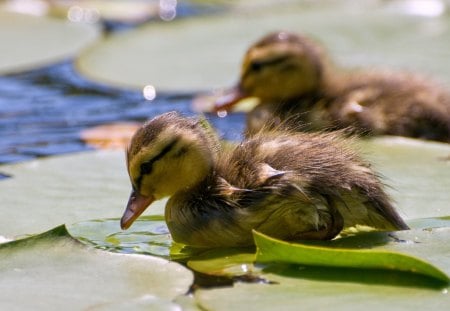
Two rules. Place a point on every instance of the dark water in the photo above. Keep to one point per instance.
(42, 112)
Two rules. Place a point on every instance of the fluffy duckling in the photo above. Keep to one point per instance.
(289, 186)
(295, 81)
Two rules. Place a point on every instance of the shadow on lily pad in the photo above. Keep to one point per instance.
(363, 276)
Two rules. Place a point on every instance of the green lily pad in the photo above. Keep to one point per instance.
(205, 53)
(288, 286)
(273, 250)
(53, 271)
(310, 288)
(431, 222)
(429, 245)
(417, 174)
(29, 42)
(45, 193)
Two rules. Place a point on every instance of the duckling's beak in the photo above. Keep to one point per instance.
(137, 203)
(230, 98)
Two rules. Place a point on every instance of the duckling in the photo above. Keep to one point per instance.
(295, 81)
(292, 186)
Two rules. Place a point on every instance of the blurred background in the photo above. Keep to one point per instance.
(80, 75)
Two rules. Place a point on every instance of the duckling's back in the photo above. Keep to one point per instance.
(393, 103)
(319, 167)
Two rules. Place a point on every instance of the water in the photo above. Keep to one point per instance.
(42, 112)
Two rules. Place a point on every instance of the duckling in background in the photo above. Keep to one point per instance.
(295, 81)
(291, 186)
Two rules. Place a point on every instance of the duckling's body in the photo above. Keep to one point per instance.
(289, 186)
(393, 103)
(303, 87)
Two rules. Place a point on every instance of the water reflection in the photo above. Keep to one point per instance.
(83, 15)
(149, 92)
(427, 8)
(167, 9)
(222, 113)
(36, 7)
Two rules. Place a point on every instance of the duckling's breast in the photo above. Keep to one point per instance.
(198, 220)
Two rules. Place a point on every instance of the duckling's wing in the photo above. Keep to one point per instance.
(326, 169)
(281, 207)
(294, 213)
(331, 209)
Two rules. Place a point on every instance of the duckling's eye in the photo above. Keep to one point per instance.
(258, 65)
(255, 66)
(146, 167)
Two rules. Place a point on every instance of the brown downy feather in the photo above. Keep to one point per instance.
(291, 186)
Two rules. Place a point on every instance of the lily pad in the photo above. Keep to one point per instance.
(29, 42)
(426, 247)
(431, 222)
(205, 53)
(273, 250)
(288, 286)
(310, 288)
(45, 193)
(54, 271)
(417, 174)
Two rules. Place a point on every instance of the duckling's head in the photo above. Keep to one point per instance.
(170, 153)
(280, 66)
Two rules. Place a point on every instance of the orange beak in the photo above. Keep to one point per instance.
(229, 99)
(137, 204)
